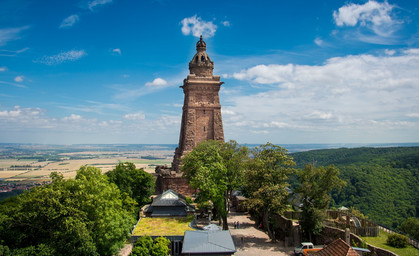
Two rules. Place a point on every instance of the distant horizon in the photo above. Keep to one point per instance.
(292, 148)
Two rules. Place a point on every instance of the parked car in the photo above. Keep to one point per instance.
(306, 247)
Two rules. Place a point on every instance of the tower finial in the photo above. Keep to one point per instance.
(201, 45)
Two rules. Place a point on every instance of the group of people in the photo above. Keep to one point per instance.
(236, 224)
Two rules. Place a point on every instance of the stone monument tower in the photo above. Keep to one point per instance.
(201, 117)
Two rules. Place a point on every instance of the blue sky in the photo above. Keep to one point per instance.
(109, 71)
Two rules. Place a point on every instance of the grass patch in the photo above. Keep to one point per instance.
(162, 226)
(381, 241)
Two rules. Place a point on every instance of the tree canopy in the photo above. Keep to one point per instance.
(215, 168)
(381, 182)
(316, 184)
(266, 181)
(81, 216)
(137, 183)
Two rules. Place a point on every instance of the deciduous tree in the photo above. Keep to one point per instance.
(316, 184)
(266, 181)
(137, 183)
(81, 216)
(215, 168)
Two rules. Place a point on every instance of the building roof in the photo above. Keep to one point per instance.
(169, 198)
(336, 248)
(169, 203)
(208, 242)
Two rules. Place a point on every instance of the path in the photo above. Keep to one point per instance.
(251, 241)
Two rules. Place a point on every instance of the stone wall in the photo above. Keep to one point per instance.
(329, 234)
(175, 183)
(286, 231)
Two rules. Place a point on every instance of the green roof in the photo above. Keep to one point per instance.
(162, 226)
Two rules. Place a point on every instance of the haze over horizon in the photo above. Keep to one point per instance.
(109, 71)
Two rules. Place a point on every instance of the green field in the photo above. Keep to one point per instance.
(381, 241)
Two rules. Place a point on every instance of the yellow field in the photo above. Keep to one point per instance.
(105, 162)
(9, 174)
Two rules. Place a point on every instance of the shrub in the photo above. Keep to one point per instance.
(397, 240)
(161, 247)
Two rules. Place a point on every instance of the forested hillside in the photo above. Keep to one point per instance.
(383, 183)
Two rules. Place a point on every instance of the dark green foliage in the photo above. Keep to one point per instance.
(140, 251)
(145, 242)
(265, 181)
(381, 182)
(215, 168)
(5, 195)
(411, 227)
(81, 216)
(160, 247)
(145, 247)
(315, 187)
(137, 183)
(397, 240)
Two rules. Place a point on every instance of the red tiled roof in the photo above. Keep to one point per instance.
(336, 248)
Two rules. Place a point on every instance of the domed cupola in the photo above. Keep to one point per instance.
(201, 64)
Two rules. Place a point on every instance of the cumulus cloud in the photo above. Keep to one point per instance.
(363, 95)
(157, 82)
(135, 116)
(72, 55)
(10, 34)
(72, 118)
(69, 21)
(2, 69)
(389, 52)
(19, 79)
(226, 23)
(117, 51)
(376, 21)
(20, 113)
(196, 26)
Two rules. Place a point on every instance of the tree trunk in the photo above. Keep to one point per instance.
(266, 224)
(225, 223)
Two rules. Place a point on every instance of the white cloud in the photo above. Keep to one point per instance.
(10, 34)
(72, 55)
(135, 116)
(17, 112)
(411, 51)
(72, 118)
(69, 21)
(389, 52)
(370, 17)
(19, 79)
(159, 82)
(319, 41)
(226, 23)
(117, 50)
(2, 69)
(92, 5)
(356, 97)
(370, 12)
(196, 26)
(9, 53)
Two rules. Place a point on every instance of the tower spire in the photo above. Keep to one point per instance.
(201, 64)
